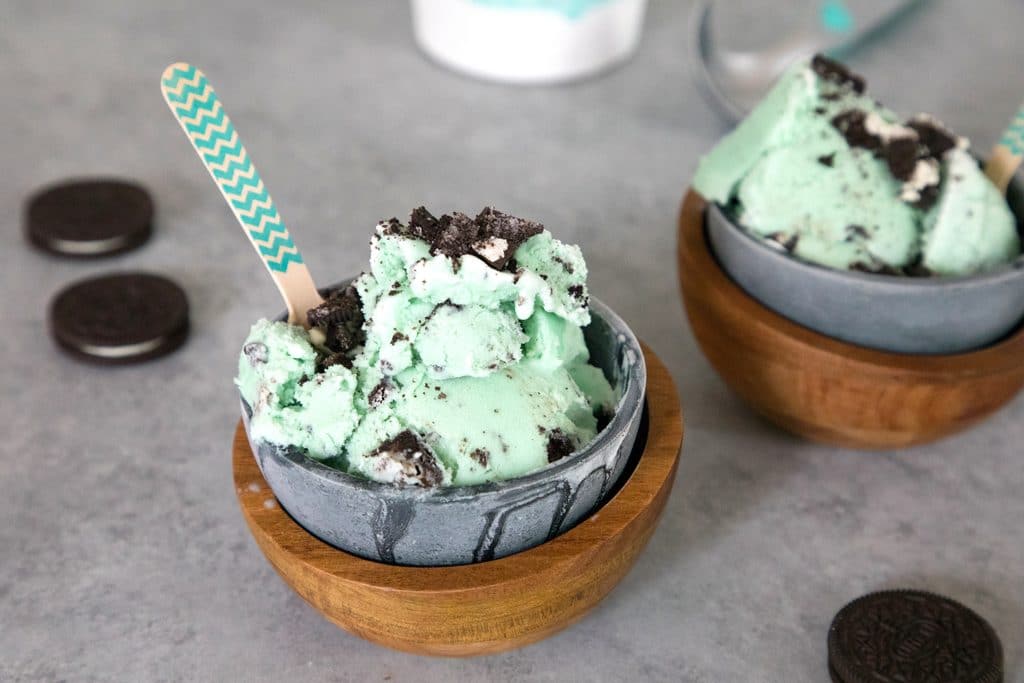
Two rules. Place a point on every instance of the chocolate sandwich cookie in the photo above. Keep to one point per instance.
(913, 637)
(121, 318)
(88, 218)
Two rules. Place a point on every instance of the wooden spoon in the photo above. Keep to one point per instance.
(1007, 155)
(197, 108)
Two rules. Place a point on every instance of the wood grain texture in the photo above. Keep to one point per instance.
(824, 389)
(481, 608)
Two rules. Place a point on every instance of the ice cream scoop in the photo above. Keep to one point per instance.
(824, 173)
(458, 358)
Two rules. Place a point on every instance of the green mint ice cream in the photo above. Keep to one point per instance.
(824, 172)
(458, 358)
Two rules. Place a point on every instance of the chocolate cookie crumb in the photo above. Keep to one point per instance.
(837, 73)
(559, 445)
(927, 197)
(565, 264)
(333, 359)
(853, 231)
(827, 160)
(256, 352)
(576, 292)
(415, 458)
(481, 456)
(900, 156)
(932, 135)
(423, 224)
(456, 236)
(379, 394)
(340, 317)
(851, 124)
(875, 268)
(786, 242)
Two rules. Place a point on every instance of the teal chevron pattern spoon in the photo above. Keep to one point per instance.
(1008, 153)
(195, 104)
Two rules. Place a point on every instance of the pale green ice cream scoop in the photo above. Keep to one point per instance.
(822, 171)
(459, 358)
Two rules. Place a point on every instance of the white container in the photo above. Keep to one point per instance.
(528, 41)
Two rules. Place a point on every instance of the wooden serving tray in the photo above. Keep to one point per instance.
(824, 389)
(478, 608)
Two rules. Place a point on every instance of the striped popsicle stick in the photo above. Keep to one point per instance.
(195, 104)
(1007, 154)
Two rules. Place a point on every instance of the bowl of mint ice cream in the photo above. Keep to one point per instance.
(833, 211)
(462, 400)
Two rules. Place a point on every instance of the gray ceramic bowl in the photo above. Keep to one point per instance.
(460, 525)
(901, 314)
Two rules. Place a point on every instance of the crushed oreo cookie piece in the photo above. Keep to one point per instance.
(481, 456)
(851, 124)
(837, 73)
(566, 266)
(921, 189)
(559, 445)
(901, 157)
(456, 236)
(392, 226)
(784, 241)
(333, 359)
(875, 268)
(926, 197)
(933, 135)
(827, 160)
(415, 459)
(510, 229)
(494, 251)
(576, 292)
(854, 231)
(379, 394)
(424, 225)
(340, 318)
(256, 352)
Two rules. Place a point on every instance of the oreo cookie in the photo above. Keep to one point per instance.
(89, 218)
(121, 318)
(912, 637)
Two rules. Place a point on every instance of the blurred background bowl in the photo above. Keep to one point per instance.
(533, 42)
(825, 389)
(940, 315)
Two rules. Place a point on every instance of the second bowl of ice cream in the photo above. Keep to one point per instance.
(463, 400)
(833, 211)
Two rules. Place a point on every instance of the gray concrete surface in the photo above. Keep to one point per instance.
(123, 555)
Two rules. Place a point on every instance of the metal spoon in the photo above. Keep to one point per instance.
(734, 81)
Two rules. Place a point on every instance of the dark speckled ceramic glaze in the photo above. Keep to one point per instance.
(902, 314)
(460, 525)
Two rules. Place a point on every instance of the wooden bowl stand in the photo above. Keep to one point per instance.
(479, 608)
(827, 390)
